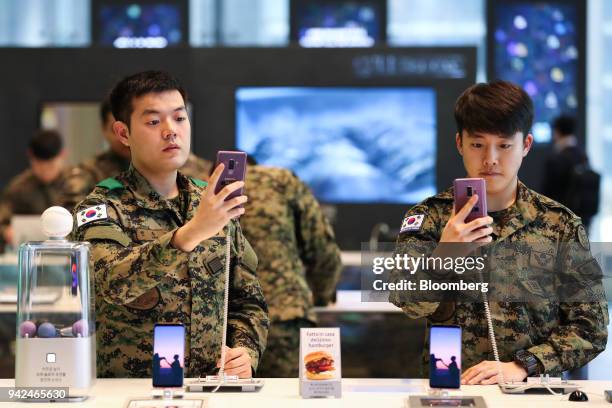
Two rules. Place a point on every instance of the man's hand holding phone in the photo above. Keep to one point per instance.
(457, 230)
(212, 214)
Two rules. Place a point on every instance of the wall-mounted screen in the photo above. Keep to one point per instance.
(139, 24)
(537, 44)
(338, 23)
(350, 145)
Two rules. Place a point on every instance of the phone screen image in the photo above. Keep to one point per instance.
(168, 355)
(445, 357)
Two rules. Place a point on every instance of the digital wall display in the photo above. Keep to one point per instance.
(537, 44)
(142, 24)
(338, 23)
(350, 145)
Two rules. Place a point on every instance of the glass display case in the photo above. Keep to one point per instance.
(55, 317)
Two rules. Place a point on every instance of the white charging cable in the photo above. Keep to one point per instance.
(228, 247)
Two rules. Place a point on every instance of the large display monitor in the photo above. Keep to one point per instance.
(140, 23)
(350, 145)
(338, 23)
(540, 46)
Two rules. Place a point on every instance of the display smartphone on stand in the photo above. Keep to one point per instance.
(464, 189)
(168, 358)
(234, 170)
(445, 356)
(444, 371)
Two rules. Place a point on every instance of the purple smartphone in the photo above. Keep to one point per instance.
(466, 188)
(235, 170)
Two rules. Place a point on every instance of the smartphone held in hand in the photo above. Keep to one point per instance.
(464, 189)
(234, 170)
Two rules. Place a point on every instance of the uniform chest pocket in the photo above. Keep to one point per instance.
(147, 301)
(143, 235)
(539, 281)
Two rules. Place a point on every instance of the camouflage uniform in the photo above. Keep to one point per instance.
(110, 164)
(26, 195)
(142, 280)
(299, 261)
(562, 335)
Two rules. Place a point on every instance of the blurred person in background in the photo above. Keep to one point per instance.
(299, 260)
(568, 177)
(40, 186)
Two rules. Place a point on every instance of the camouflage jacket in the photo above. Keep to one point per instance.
(109, 164)
(299, 261)
(563, 334)
(142, 280)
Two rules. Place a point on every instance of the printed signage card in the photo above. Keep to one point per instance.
(320, 373)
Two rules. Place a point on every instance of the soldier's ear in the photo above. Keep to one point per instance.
(122, 131)
(458, 142)
(527, 143)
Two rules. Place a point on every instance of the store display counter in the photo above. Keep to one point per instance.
(283, 392)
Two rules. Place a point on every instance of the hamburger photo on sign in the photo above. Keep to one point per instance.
(319, 365)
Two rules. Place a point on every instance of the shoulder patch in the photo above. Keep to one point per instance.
(95, 213)
(198, 182)
(110, 183)
(412, 222)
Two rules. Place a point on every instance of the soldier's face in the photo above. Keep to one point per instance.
(47, 170)
(159, 136)
(496, 159)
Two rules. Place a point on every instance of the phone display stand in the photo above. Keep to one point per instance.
(444, 397)
(227, 383)
(423, 401)
(539, 385)
(168, 393)
(166, 403)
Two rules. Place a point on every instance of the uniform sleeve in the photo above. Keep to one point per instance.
(316, 242)
(247, 319)
(418, 243)
(583, 309)
(124, 270)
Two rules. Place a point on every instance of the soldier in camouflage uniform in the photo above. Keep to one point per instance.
(299, 261)
(530, 241)
(158, 246)
(39, 187)
(117, 159)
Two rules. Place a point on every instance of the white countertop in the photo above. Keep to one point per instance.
(283, 392)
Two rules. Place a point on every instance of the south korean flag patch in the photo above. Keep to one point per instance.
(412, 222)
(90, 214)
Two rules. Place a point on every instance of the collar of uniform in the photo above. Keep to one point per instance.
(145, 195)
(520, 214)
(121, 161)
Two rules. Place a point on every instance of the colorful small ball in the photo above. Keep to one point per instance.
(47, 330)
(80, 328)
(27, 329)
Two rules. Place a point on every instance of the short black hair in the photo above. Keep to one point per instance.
(105, 109)
(46, 144)
(500, 107)
(564, 124)
(139, 84)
